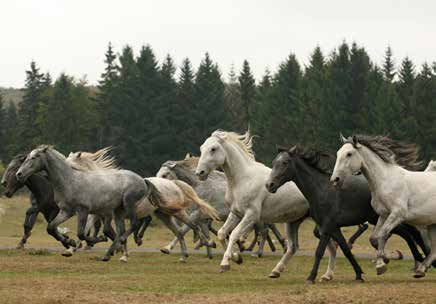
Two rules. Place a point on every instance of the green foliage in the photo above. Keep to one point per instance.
(149, 116)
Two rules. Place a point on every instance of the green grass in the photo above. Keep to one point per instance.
(42, 276)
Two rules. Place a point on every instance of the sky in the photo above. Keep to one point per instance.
(72, 36)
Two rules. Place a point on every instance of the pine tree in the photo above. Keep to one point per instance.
(247, 88)
(28, 129)
(405, 85)
(209, 98)
(232, 101)
(389, 65)
(11, 131)
(185, 107)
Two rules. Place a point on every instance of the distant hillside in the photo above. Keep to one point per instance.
(12, 95)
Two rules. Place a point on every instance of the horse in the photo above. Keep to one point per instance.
(82, 191)
(431, 166)
(399, 195)
(310, 170)
(213, 191)
(167, 199)
(251, 202)
(101, 159)
(41, 198)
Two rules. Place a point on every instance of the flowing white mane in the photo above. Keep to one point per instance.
(99, 160)
(243, 141)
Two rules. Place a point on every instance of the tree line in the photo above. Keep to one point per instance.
(150, 114)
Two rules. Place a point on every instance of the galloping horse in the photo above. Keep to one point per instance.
(398, 194)
(310, 170)
(251, 202)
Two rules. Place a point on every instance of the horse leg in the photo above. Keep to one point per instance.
(52, 229)
(328, 275)
(184, 218)
(119, 223)
(255, 239)
(230, 223)
(362, 228)
(263, 231)
(29, 222)
(205, 227)
(291, 232)
(340, 240)
(244, 226)
(108, 230)
(82, 217)
(424, 266)
(146, 222)
(167, 220)
(270, 242)
(278, 235)
(392, 221)
(322, 244)
(405, 235)
(168, 248)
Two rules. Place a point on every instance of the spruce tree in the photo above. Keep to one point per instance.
(247, 88)
(28, 129)
(232, 100)
(11, 132)
(389, 65)
(405, 85)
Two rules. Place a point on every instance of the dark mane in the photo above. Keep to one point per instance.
(320, 160)
(391, 151)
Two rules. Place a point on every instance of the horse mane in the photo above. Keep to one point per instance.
(320, 160)
(99, 160)
(390, 151)
(243, 141)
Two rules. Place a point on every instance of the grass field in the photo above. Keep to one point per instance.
(41, 276)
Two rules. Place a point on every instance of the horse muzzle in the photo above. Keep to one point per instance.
(201, 174)
(271, 187)
(336, 182)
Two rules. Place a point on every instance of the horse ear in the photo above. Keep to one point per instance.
(356, 143)
(44, 149)
(172, 165)
(293, 150)
(79, 154)
(22, 157)
(342, 138)
(188, 156)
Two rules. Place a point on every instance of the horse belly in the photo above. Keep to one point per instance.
(284, 207)
(144, 208)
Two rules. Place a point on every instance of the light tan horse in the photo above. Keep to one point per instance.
(167, 197)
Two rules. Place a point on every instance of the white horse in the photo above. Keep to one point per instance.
(251, 202)
(398, 195)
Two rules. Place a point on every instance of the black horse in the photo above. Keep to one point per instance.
(42, 200)
(329, 208)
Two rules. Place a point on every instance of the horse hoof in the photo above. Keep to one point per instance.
(360, 280)
(67, 254)
(224, 268)
(139, 242)
(212, 244)
(165, 251)
(182, 260)
(381, 269)
(105, 258)
(326, 278)
(87, 247)
(256, 255)
(210, 257)
(123, 259)
(310, 282)
(274, 275)
(20, 246)
(419, 274)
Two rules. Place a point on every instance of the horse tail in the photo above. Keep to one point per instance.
(153, 194)
(192, 196)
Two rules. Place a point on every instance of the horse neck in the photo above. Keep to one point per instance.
(186, 175)
(373, 168)
(59, 171)
(312, 183)
(236, 163)
(37, 184)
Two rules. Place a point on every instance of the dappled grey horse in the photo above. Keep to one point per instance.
(41, 198)
(83, 192)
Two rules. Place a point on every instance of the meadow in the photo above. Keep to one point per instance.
(40, 274)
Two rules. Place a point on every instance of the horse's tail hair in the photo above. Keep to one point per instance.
(192, 196)
(153, 194)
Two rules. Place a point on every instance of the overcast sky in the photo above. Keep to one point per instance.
(72, 36)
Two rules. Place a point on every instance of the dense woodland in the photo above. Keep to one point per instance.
(150, 115)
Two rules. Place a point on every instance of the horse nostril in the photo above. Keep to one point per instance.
(337, 179)
(19, 174)
(200, 173)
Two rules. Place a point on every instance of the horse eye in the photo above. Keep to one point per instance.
(164, 176)
(213, 150)
(349, 154)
